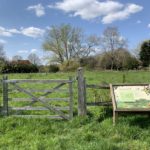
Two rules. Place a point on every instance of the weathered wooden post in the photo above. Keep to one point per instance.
(71, 98)
(5, 96)
(81, 93)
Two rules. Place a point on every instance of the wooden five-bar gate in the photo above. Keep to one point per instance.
(38, 103)
(36, 100)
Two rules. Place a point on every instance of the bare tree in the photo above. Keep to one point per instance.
(111, 40)
(67, 42)
(34, 59)
(16, 58)
(89, 46)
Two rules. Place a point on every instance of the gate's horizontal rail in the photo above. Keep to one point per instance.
(36, 81)
(40, 116)
(45, 99)
(93, 86)
(41, 90)
(46, 90)
(37, 108)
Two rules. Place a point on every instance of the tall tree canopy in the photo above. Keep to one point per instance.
(111, 40)
(145, 53)
(67, 42)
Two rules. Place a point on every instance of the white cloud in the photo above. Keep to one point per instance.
(69, 5)
(33, 50)
(4, 32)
(14, 31)
(23, 51)
(2, 41)
(109, 11)
(39, 9)
(148, 26)
(7, 32)
(121, 15)
(88, 9)
(32, 32)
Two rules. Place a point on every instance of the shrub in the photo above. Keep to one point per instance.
(43, 69)
(122, 60)
(69, 66)
(104, 61)
(2, 64)
(131, 63)
(89, 62)
(53, 68)
(19, 68)
(145, 53)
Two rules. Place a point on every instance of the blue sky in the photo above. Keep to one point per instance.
(23, 23)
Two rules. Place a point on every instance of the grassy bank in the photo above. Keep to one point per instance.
(93, 132)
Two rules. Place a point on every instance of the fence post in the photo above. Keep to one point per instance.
(5, 96)
(81, 93)
(71, 98)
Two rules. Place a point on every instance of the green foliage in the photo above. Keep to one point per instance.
(104, 61)
(43, 69)
(122, 60)
(2, 58)
(88, 62)
(131, 63)
(69, 65)
(145, 53)
(19, 68)
(53, 68)
(2, 64)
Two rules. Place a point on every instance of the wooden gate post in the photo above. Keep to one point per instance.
(5, 96)
(71, 98)
(81, 93)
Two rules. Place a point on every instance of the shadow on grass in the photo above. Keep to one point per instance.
(140, 121)
(104, 113)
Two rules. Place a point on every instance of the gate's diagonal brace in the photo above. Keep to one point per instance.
(49, 92)
(38, 99)
(55, 88)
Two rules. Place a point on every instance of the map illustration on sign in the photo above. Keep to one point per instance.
(137, 96)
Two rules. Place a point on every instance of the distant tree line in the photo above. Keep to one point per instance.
(17, 64)
(71, 48)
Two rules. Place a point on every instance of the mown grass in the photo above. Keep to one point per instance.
(94, 132)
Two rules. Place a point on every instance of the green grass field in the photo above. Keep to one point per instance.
(94, 132)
